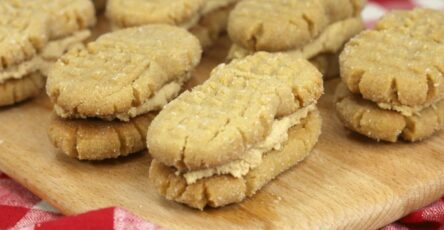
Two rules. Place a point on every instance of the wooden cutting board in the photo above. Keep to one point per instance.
(348, 181)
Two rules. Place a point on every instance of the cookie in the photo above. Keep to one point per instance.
(281, 25)
(222, 190)
(130, 13)
(331, 40)
(23, 34)
(219, 121)
(323, 51)
(366, 118)
(64, 16)
(94, 139)
(17, 90)
(126, 73)
(276, 25)
(398, 65)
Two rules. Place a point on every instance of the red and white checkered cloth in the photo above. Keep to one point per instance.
(20, 209)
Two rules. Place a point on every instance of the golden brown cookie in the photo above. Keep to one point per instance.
(126, 73)
(23, 34)
(219, 121)
(276, 25)
(221, 190)
(331, 40)
(398, 65)
(366, 118)
(129, 13)
(64, 16)
(419, 23)
(93, 139)
(17, 90)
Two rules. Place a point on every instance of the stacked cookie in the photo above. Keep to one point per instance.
(105, 94)
(34, 34)
(206, 19)
(68, 25)
(318, 29)
(393, 78)
(223, 141)
(22, 36)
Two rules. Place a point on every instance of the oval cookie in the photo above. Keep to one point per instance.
(126, 73)
(367, 118)
(218, 121)
(129, 13)
(90, 139)
(17, 90)
(222, 190)
(64, 16)
(276, 25)
(23, 34)
(398, 65)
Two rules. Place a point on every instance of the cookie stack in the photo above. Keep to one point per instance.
(318, 29)
(393, 78)
(34, 34)
(105, 94)
(67, 26)
(206, 19)
(22, 36)
(223, 141)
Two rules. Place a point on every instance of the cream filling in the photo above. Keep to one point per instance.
(329, 41)
(52, 51)
(408, 111)
(164, 95)
(22, 70)
(253, 156)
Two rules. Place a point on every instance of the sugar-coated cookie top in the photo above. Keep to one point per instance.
(22, 34)
(233, 110)
(121, 70)
(65, 16)
(128, 13)
(279, 25)
(399, 64)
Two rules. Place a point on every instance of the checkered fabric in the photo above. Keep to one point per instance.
(20, 209)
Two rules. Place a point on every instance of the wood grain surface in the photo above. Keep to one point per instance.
(348, 182)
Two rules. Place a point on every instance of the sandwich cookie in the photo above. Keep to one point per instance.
(206, 19)
(315, 28)
(35, 34)
(107, 85)
(224, 140)
(68, 25)
(23, 34)
(365, 117)
(398, 69)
